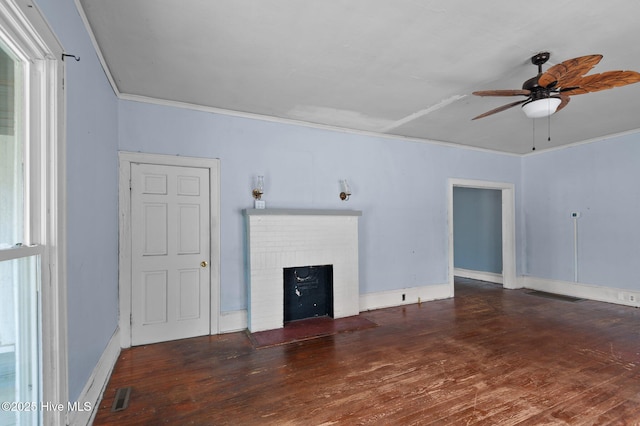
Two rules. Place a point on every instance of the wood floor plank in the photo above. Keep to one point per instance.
(489, 356)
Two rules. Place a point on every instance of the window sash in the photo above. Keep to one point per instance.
(18, 252)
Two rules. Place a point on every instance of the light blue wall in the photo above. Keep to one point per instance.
(92, 202)
(477, 229)
(599, 180)
(401, 186)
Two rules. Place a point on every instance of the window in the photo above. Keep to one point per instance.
(19, 269)
(32, 297)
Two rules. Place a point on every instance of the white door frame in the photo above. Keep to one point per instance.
(124, 196)
(509, 279)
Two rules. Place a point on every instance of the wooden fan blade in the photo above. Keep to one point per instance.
(565, 72)
(603, 81)
(564, 100)
(517, 92)
(499, 109)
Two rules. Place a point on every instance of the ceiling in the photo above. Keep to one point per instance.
(402, 67)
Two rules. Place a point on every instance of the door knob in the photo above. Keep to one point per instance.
(204, 263)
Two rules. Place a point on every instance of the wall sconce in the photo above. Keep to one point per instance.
(345, 190)
(258, 190)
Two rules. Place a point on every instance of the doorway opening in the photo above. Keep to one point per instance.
(507, 228)
(477, 233)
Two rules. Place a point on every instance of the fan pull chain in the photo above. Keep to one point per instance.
(534, 134)
(549, 127)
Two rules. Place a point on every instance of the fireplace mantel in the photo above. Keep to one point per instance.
(301, 212)
(285, 238)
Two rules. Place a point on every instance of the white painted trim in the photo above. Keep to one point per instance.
(508, 227)
(55, 307)
(391, 298)
(233, 321)
(584, 142)
(124, 198)
(97, 383)
(96, 47)
(23, 23)
(491, 277)
(379, 134)
(290, 121)
(29, 32)
(585, 291)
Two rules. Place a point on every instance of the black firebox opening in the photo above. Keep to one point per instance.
(308, 292)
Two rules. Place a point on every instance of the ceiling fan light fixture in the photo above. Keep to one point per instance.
(541, 107)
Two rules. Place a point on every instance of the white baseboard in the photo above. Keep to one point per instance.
(585, 291)
(91, 395)
(478, 275)
(237, 320)
(387, 299)
(232, 321)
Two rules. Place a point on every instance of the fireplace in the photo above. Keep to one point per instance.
(289, 238)
(308, 292)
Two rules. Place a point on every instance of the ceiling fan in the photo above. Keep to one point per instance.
(549, 92)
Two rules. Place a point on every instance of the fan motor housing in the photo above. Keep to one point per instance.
(537, 91)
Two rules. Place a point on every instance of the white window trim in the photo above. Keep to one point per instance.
(23, 24)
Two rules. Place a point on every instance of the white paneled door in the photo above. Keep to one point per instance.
(170, 238)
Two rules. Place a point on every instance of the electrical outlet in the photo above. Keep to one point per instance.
(632, 298)
(403, 297)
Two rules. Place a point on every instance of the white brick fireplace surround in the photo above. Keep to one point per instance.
(285, 238)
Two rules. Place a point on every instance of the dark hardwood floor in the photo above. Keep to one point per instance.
(489, 356)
